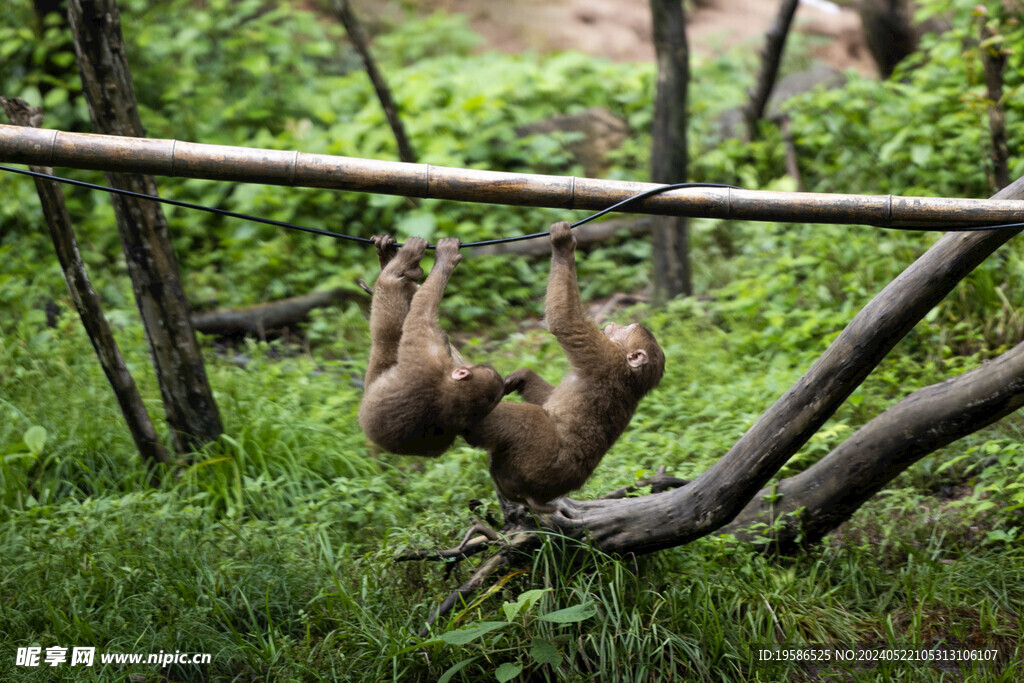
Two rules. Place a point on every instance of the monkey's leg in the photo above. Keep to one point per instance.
(387, 313)
(421, 331)
(530, 385)
(387, 249)
(389, 308)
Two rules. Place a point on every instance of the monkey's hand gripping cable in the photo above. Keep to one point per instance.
(521, 533)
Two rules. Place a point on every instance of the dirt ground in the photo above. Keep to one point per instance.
(621, 29)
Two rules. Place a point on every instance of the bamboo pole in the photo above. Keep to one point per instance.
(275, 167)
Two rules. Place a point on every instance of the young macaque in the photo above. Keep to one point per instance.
(419, 393)
(551, 443)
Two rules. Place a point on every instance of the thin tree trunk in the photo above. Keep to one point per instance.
(993, 57)
(86, 300)
(717, 496)
(106, 81)
(387, 102)
(771, 57)
(792, 165)
(671, 258)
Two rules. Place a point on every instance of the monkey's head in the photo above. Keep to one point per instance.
(643, 356)
(474, 390)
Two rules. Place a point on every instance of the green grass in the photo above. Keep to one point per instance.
(273, 552)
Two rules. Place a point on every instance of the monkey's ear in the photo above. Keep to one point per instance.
(636, 358)
(461, 373)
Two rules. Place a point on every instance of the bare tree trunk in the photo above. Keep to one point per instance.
(717, 496)
(85, 299)
(670, 237)
(362, 46)
(771, 57)
(792, 164)
(55, 72)
(106, 81)
(993, 56)
(888, 31)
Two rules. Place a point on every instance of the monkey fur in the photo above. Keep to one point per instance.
(419, 393)
(550, 444)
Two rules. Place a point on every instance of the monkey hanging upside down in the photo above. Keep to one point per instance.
(419, 393)
(551, 443)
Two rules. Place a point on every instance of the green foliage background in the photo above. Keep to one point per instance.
(273, 552)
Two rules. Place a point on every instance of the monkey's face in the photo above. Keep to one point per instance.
(644, 357)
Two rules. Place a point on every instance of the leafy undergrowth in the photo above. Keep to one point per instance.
(273, 553)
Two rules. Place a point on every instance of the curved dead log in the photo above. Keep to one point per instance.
(650, 523)
(258, 320)
(832, 489)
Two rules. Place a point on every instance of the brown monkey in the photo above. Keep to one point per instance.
(419, 393)
(550, 444)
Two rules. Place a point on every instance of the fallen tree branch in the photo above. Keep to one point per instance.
(258, 320)
(475, 545)
(830, 491)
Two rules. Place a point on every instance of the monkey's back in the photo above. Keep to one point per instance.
(544, 452)
(403, 417)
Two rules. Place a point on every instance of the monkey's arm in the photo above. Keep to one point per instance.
(582, 341)
(391, 300)
(421, 329)
(531, 385)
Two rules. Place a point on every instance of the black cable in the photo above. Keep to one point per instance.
(501, 240)
(186, 205)
(364, 240)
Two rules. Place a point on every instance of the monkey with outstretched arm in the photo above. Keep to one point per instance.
(419, 393)
(551, 443)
